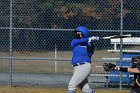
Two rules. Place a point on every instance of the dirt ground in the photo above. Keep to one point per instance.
(7, 89)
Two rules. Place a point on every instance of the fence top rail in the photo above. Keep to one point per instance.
(68, 29)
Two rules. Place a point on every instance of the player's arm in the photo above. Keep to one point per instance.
(110, 66)
(128, 69)
(134, 70)
(90, 45)
(76, 42)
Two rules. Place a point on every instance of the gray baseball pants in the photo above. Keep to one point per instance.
(80, 78)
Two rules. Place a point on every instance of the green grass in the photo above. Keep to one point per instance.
(8, 89)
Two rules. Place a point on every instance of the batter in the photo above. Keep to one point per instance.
(83, 48)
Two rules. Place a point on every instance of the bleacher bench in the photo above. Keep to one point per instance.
(126, 41)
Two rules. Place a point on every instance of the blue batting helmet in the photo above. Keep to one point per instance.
(84, 30)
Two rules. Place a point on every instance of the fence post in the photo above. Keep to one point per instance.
(55, 58)
(10, 44)
(121, 43)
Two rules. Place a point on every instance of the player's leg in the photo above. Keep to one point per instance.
(85, 88)
(135, 90)
(79, 74)
(70, 91)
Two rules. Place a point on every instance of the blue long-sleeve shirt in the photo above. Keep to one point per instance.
(79, 49)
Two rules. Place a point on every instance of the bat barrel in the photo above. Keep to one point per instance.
(117, 36)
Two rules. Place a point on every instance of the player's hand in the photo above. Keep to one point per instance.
(93, 38)
(109, 66)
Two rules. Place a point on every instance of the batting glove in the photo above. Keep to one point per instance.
(93, 38)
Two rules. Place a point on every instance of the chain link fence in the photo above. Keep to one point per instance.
(35, 39)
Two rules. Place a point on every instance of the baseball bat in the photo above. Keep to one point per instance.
(117, 36)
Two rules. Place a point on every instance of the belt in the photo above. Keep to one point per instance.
(77, 64)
